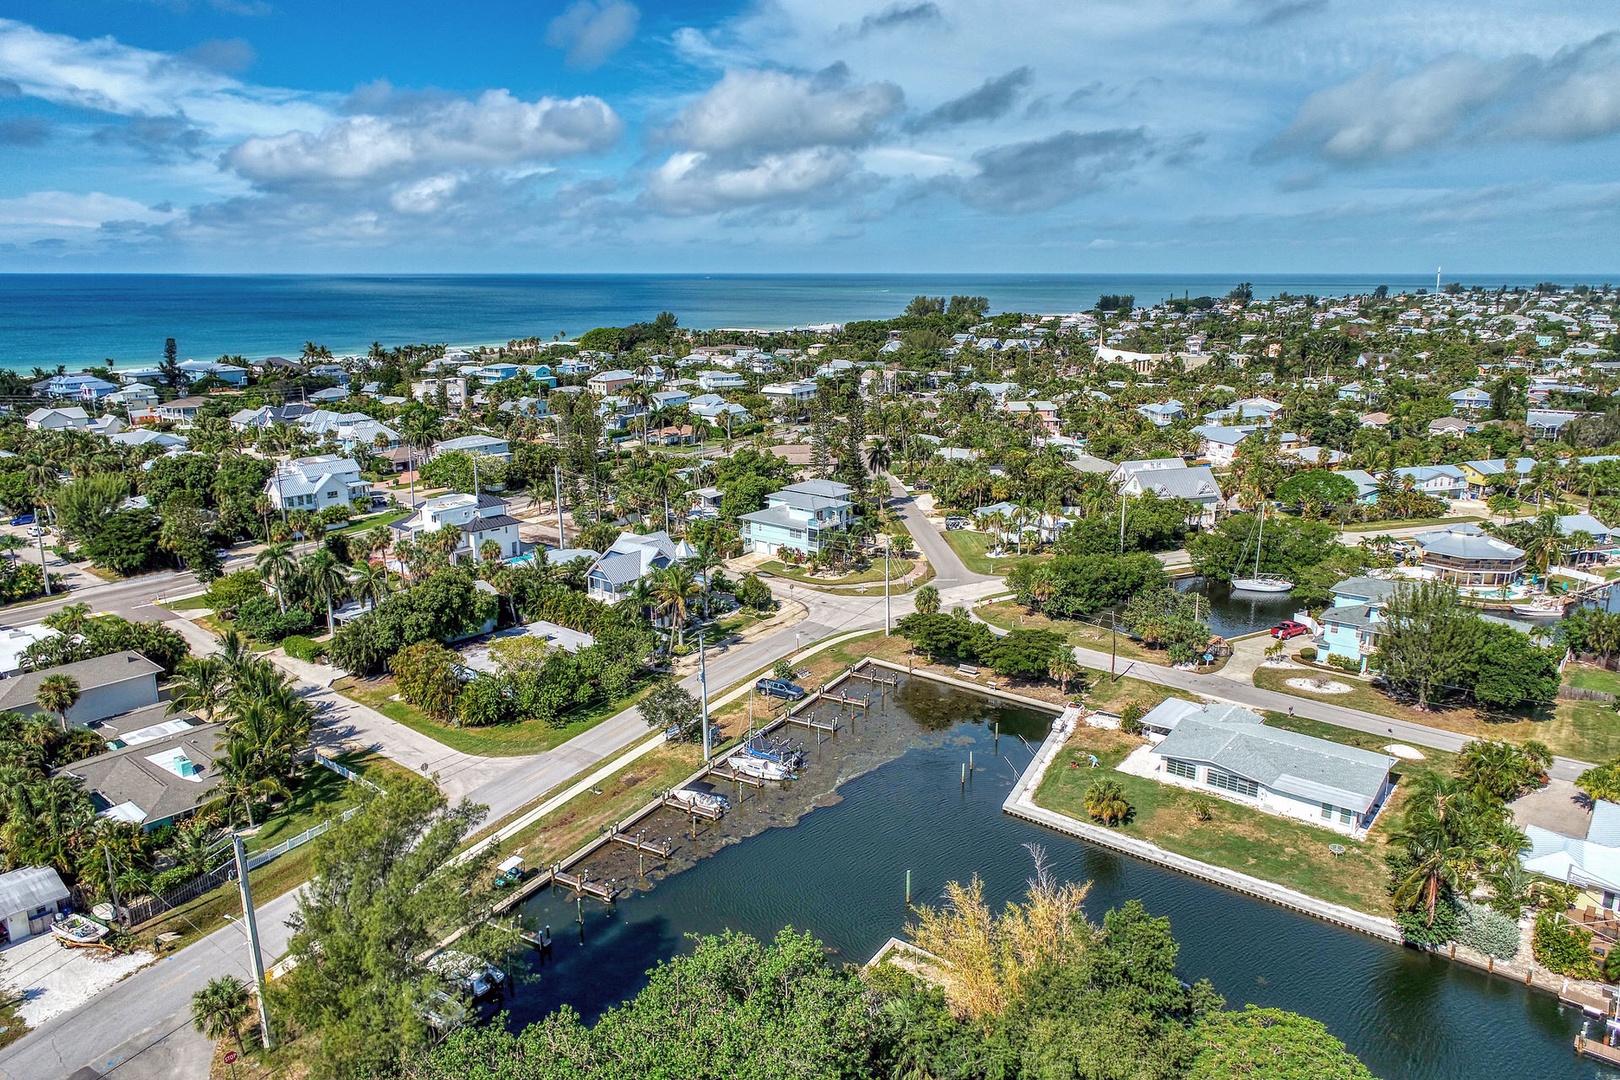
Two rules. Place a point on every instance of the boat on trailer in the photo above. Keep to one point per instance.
(76, 931)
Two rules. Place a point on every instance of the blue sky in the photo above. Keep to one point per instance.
(809, 135)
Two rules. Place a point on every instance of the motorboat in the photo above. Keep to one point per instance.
(1543, 608)
(468, 974)
(1261, 583)
(76, 930)
(759, 768)
(706, 800)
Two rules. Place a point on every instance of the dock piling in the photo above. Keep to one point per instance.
(908, 888)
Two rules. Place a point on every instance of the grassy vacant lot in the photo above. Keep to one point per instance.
(1011, 615)
(1291, 853)
(1585, 730)
(971, 546)
(898, 568)
(371, 521)
(500, 740)
(207, 912)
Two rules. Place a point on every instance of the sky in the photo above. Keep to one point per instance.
(752, 136)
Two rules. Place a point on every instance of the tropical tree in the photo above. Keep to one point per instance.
(241, 782)
(370, 582)
(1105, 802)
(200, 686)
(1063, 667)
(278, 565)
(927, 600)
(57, 694)
(326, 580)
(879, 456)
(220, 1007)
(673, 588)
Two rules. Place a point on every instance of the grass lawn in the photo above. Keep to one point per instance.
(971, 546)
(1586, 730)
(1291, 853)
(1011, 615)
(371, 521)
(190, 603)
(501, 740)
(1373, 528)
(898, 568)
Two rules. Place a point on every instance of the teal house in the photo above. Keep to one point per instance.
(1350, 627)
(799, 519)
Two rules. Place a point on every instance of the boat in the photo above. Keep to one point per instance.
(759, 768)
(1545, 608)
(76, 930)
(1261, 583)
(468, 974)
(778, 751)
(707, 800)
(510, 872)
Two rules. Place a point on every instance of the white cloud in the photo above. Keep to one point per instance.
(54, 210)
(425, 196)
(692, 182)
(776, 110)
(496, 129)
(591, 32)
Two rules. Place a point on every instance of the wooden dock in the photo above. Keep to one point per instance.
(707, 813)
(601, 890)
(539, 940)
(655, 847)
(844, 699)
(1597, 1048)
(828, 726)
(736, 777)
(881, 680)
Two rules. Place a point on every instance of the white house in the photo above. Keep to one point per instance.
(483, 445)
(1164, 413)
(1218, 445)
(1196, 485)
(455, 390)
(721, 380)
(30, 897)
(481, 518)
(315, 483)
(792, 396)
(800, 517)
(57, 419)
(1228, 751)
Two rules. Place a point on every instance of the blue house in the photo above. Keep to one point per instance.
(800, 518)
(1350, 627)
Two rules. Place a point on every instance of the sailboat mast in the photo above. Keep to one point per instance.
(1260, 538)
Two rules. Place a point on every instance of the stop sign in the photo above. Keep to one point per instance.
(230, 1057)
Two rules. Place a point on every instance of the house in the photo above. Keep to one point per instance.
(480, 518)
(167, 440)
(330, 396)
(108, 685)
(1450, 426)
(267, 415)
(1195, 484)
(315, 483)
(483, 445)
(1045, 411)
(180, 410)
(632, 557)
(30, 897)
(1086, 463)
(1164, 413)
(153, 783)
(1350, 627)
(1465, 555)
(135, 395)
(229, 374)
(792, 397)
(1603, 537)
(721, 380)
(1470, 400)
(1590, 861)
(1374, 420)
(1140, 363)
(1317, 455)
(1218, 445)
(799, 518)
(1229, 752)
(1354, 391)
(84, 386)
(1484, 477)
(1258, 412)
(57, 419)
(705, 503)
(15, 640)
(669, 399)
(1548, 423)
(454, 387)
(1437, 481)
(604, 383)
(717, 410)
(1124, 469)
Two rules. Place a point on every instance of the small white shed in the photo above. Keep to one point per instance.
(29, 898)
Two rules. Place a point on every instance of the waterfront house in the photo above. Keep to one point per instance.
(84, 386)
(799, 518)
(1590, 861)
(633, 556)
(109, 685)
(480, 519)
(1466, 555)
(1603, 538)
(1229, 752)
(1349, 629)
(1193, 484)
(315, 483)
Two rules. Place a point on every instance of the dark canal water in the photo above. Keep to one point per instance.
(886, 797)
(1231, 614)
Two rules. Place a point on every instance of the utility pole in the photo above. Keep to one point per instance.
(44, 570)
(703, 686)
(253, 936)
(886, 585)
(556, 475)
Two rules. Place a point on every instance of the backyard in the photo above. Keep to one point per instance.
(1281, 850)
(972, 548)
(497, 740)
(1584, 730)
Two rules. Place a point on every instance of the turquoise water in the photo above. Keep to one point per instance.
(51, 319)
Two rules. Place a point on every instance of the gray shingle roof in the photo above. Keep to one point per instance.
(1307, 768)
(130, 775)
(18, 692)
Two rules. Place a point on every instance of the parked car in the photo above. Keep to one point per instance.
(779, 688)
(23, 519)
(955, 523)
(1289, 629)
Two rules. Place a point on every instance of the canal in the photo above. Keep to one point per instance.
(886, 797)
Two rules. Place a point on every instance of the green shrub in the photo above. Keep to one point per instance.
(300, 647)
(1562, 948)
(1308, 653)
(1490, 932)
(261, 619)
(1344, 663)
(230, 592)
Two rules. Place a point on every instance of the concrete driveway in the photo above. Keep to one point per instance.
(53, 980)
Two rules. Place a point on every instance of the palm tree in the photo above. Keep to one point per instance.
(1105, 802)
(220, 1007)
(277, 563)
(1437, 830)
(327, 582)
(370, 583)
(673, 587)
(240, 782)
(1544, 543)
(703, 561)
(57, 694)
(1063, 667)
(200, 686)
(879, 456)
(927, 600)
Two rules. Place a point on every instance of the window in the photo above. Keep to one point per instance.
(1237, 785)
(1345, 816)
(1184, 769)
(1327, 811)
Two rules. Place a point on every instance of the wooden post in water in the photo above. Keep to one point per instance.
(641, 864)
(964, 775)
(997, 746)
(908, 888)
(970, 761)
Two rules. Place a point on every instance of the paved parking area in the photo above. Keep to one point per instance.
(53, 980)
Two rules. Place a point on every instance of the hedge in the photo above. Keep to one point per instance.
(302, 648)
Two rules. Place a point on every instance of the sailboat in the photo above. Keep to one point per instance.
(1261, 583)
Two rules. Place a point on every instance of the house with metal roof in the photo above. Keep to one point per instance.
(632, 557)
(485, 445)
(1467, 555)
(1229, 752)
(109, 685)
(1591, 861)
(799, 518)
(1196, 484)
(30, 897)
(315, 483)
(481, 518)
(1164, 413)
(1548, 423)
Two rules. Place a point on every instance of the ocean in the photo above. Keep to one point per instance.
(78, 320)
